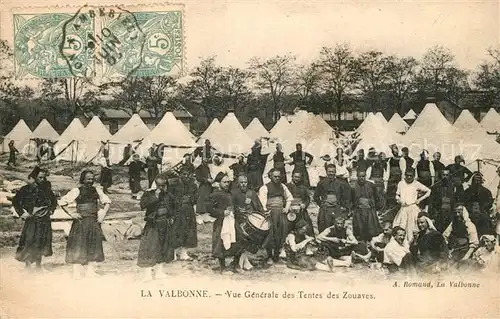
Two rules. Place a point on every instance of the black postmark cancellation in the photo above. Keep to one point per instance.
(94, 41)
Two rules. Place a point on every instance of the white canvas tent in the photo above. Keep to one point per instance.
(211, 129)
(45, 131)
(132, 132)
(190, 134)
(367, 119)
(381, 118)
(376, 133)
(21, 135)
(411, 115)
(397, 124)
(230, 137)
(467, 125)
(280, 128)
(85, 146)
(174, 136)
(75, 128)
(431, 131)
(491, 121)
(256, 130)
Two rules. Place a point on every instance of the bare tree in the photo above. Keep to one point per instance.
(134, 94)
(400, 80)
(306, 84)
(338, 68)
(275, 77)
(235, 90)
(371, 76)
(487, 79)
(79, 94)
(206, 87)
(439, 73)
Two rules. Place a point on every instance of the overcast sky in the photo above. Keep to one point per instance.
(235, 31)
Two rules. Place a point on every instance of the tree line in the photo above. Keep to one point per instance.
(339, 80)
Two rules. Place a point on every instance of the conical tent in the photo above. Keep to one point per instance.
(256, 130)
(280, 128)
(74, 129)
(133, 131)
(397, 124)
(45, 131)
(174, 136)
(230, 137)
(467, 124)
(381, 117)
(86, 146)
(370, 117)
(431, 131)
(321, 122)
(211, 129)
(305, 130)
(491, 121)
(411, 115)
(190, 134)
(21, 135)
(375, 133)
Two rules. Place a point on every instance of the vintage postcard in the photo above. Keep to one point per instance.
(249, 159)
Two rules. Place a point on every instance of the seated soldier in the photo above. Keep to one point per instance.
(429, 246)
(296, 244)
(341, 244)
(461, 235)
(397, 255)
(379, 242)
(485, 258)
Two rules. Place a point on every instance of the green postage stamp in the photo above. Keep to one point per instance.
(105, 42)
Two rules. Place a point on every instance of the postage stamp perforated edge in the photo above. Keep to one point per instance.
(73, 8)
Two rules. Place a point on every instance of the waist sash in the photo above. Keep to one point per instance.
(275, 203)
(446, 202)
(87, 209)
(395, 172)
(331, 200)
(426, 175)
(364, 203)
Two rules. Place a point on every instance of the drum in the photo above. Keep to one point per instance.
(256, 227)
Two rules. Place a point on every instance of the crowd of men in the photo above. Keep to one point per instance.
(405, 214)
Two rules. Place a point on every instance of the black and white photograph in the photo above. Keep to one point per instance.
(249, 159)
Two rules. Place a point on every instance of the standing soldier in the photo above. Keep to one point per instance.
(255, 165)
(395, 175)
(438, 165)
(379, 175)
(276, 198)
(442, 201)
(135, 167)
(12, 154)
(35, 203)
(301, 201)
(157, 238)
(185, 194)
(205, 181)
(246, 201)
(84, 245)
(333, 198)
(152, 162)
(365, 205)
(459, 174)
(300, 161)
(279, 162)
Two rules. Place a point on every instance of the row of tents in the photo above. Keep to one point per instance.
(430, 130)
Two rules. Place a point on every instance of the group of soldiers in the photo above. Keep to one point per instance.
(370, 209)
